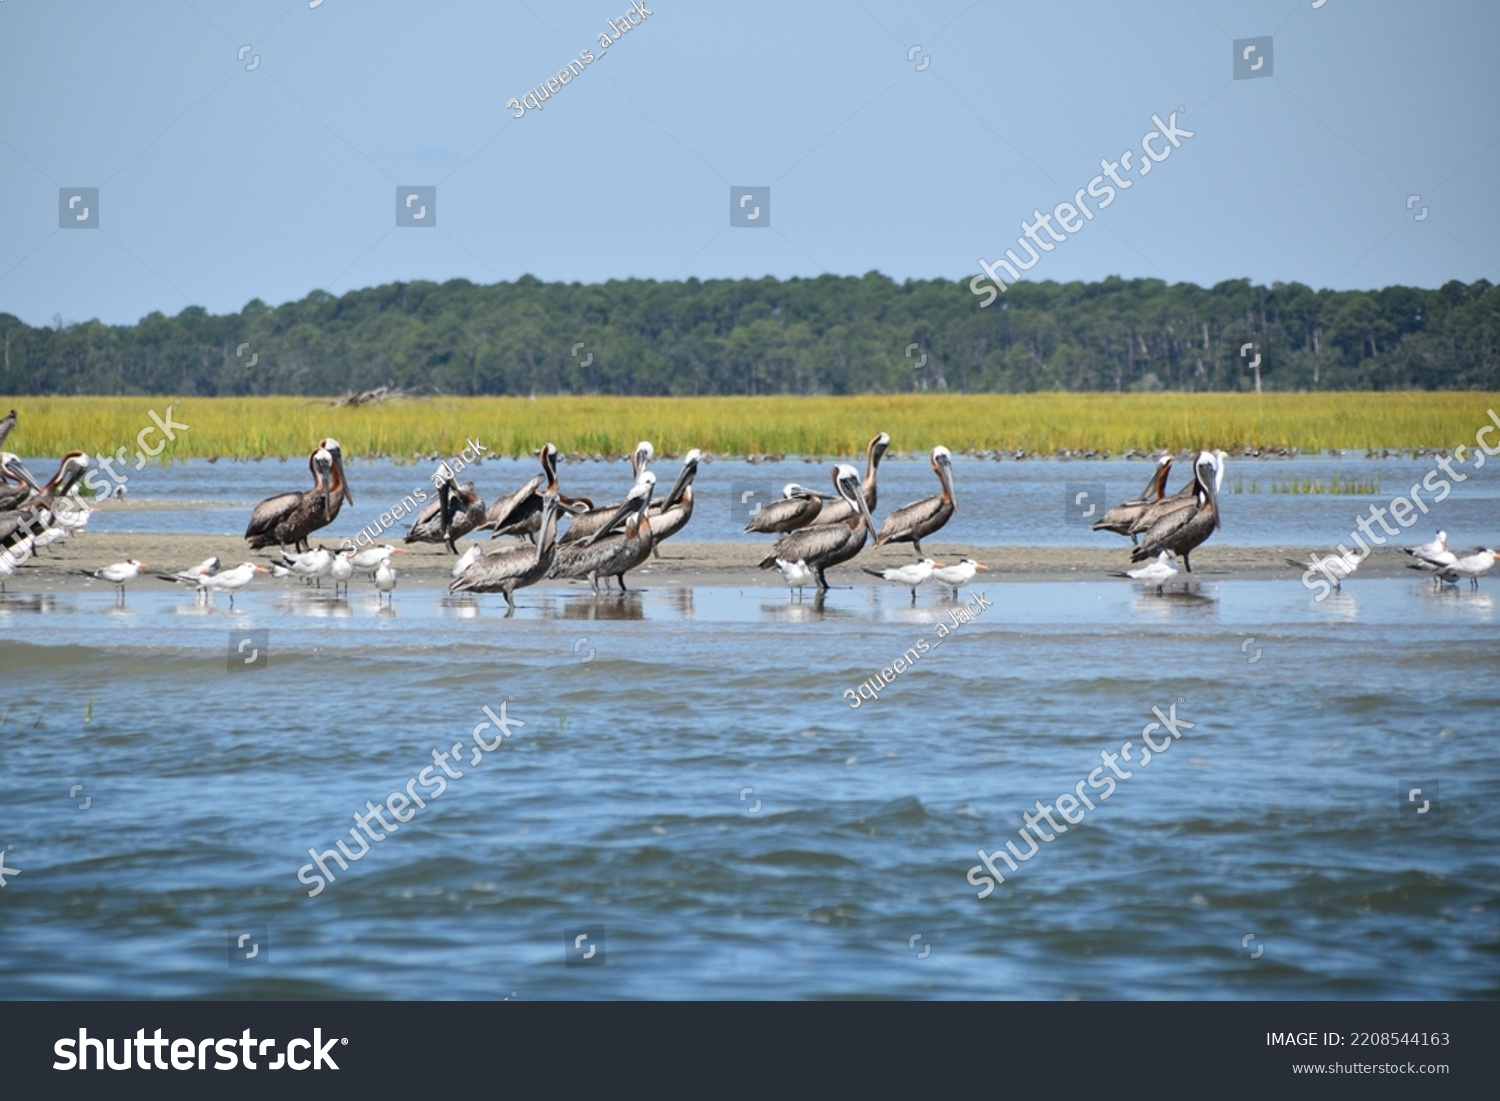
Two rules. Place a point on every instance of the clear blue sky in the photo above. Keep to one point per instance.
(219, 185)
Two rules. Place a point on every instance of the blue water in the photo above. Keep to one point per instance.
(691, 778)
(999, 503)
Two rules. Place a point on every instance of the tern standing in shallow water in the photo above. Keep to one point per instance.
(1336, 567)
(795, 574)
(385, 581)
(958, 574)
(911, 575)
(230, 581)
(1473, 566)
(118, 575)
(1158, 573)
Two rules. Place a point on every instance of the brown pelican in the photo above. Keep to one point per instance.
(1171, 503)
(836, 512)
(511, 568)
(1120, 518)
(1181, 525)
(921, 518)
(455, 512)
(910, 575)
(601, 517)
(671, 515)
(36, 514)
(292, 517)
(11, 470)
(798, 507)
(7, 424)
(520, 514)
(612, 554)
(1186, 493)
(825, 545)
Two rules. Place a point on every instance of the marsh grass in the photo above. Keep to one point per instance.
(1337, 485)
(246, 428)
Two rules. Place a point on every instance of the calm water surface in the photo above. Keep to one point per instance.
(691, 779)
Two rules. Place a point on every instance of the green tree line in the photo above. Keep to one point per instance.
(828, 335)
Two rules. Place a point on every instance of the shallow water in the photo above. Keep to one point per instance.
(1030, 503)
(691, 778)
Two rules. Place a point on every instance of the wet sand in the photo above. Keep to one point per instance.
(682, 563)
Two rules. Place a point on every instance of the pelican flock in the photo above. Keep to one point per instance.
(570, 538)
(824, 545)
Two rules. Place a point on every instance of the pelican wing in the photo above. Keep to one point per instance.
(273, 509)
(490, 572)
(1179, 531)
(669, 522)
(786, 515)
(428, 526)
(588, 522)
(505, 510)
(915, 521)
(1167, 510)
(813, 545)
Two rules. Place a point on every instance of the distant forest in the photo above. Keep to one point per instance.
(829, 335)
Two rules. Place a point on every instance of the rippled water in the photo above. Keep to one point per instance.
(999, 503)
(691, 778)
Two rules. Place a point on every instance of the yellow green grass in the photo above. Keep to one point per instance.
(1038, 423)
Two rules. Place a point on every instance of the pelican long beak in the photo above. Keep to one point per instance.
(1211, 491)
(338, 470)
(550, 509)
(627, 506)
(684, 479)
(16, 470)
(945, 474)
(852, 491)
